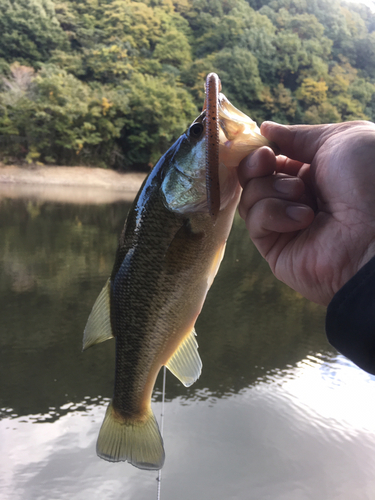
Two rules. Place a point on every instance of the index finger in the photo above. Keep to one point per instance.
(258, 164)
(299, 142)
(285, 165)
(263, 162)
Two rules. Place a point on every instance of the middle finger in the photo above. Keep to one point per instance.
(280, 186)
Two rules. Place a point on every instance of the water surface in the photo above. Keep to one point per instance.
(276, 414)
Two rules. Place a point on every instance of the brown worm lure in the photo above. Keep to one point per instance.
(213, 87)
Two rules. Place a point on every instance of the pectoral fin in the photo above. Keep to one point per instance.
(98, 326)
(185, 364)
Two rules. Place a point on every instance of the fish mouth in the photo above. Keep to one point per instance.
(204, 175)
(230, 135)
(238, 133)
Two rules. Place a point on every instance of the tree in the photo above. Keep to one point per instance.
(159, 111)
(238, 70)
(279, 103)
(173, 48)
(29, 31)
(312, 92)
(114, 82)
(323, 113)
(61, 118)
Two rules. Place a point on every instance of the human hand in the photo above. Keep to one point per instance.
(311, 213)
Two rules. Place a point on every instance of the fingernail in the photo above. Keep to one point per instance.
(297, 212)
(284, 185)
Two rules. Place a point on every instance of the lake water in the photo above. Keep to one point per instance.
(277, 414)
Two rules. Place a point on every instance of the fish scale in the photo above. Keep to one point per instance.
(139, 296)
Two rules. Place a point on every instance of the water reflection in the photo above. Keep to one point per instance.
(275, 415)
(275, 439)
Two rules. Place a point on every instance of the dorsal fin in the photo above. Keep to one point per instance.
(98, 327)
(185, 364)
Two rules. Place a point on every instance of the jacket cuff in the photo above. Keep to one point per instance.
(350, 320)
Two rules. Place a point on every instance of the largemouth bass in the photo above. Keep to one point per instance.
(168, 255)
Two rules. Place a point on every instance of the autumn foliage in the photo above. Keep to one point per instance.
(115, 82)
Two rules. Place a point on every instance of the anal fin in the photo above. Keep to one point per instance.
(98, 327)
(185, 364)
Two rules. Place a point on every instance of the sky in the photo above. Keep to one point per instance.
(369, 3)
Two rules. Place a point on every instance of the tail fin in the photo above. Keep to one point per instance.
(135, 441)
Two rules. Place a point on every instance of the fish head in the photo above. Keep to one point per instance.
(184, 184)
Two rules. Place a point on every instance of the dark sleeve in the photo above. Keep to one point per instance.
(350, 320)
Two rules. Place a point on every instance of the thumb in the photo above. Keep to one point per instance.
(298, 142)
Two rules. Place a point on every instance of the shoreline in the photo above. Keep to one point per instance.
(83, 185)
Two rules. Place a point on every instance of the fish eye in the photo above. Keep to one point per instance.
(196, 130)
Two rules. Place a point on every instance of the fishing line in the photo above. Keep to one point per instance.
(162, 425)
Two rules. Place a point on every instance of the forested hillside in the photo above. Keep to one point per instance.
(115, 82)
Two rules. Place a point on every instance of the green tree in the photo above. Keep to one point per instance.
(173, 48)
(105, 63)
(279, 104)
(62, 119)
(322, 113)
(29, 31)
(159, 111)
(116, 81)
(238, 70)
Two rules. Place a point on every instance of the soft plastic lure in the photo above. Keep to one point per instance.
(213, 87)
